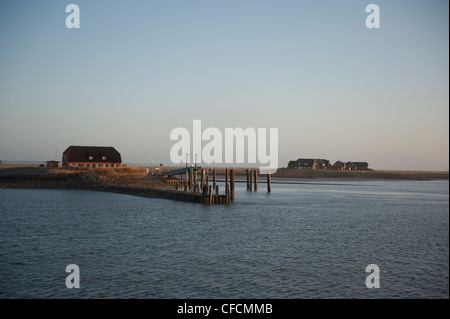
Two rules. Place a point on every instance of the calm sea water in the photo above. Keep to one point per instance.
(310, 240)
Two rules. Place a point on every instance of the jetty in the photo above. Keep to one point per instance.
(200, 185)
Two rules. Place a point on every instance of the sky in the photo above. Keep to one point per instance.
(136, 70)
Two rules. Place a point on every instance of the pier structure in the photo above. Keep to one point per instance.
(196, 184)
(252, 180)
(199, 190)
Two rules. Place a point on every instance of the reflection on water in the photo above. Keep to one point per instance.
(311, 240)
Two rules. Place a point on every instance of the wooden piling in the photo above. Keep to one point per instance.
(217, 190)
(226, 184)
(269, 183)
(226, 177)
(203, 177)
(204, 194)
(210, 194)
(256, 179)
(248, 180)
(232, 181)
(227, 195)
(188, 178)
(251, 181)
(214, 178)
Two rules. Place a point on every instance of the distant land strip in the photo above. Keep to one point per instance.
(136, 181)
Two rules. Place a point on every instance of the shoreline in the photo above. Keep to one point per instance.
(129, 181)
(362, 175)
(305, 175)
(7, 169)
(135, 181)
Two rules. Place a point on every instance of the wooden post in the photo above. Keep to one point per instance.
(226, 183)
(191, 177)
(269, 183)
(214, 178)
(226, 177)
(193, 192)
(248, 180)
(210, 195)
(217, 190)
(207, 181)
(204, 194)
(251, 181)
(227, 197)
(232, 183)
(203, 177)
(256, 179)
(202, 199)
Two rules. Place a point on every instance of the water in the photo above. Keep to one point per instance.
(309, 240)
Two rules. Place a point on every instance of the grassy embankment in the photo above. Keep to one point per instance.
(128, 180)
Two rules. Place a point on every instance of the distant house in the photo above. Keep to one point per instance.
(321, 164)
(338, 166)
(349, 166)
(292, 164)
(361, 166)
(302, 163)
(52, 163)
(91, 156)
(309, 163)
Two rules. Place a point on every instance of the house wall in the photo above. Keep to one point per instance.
(94, 164)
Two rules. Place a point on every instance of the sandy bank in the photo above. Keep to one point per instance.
(129, 181)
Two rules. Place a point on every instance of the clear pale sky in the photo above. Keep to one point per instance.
(135, 70)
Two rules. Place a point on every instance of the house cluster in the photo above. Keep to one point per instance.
(309, 163)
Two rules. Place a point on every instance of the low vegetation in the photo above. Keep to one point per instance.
(105, 171)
